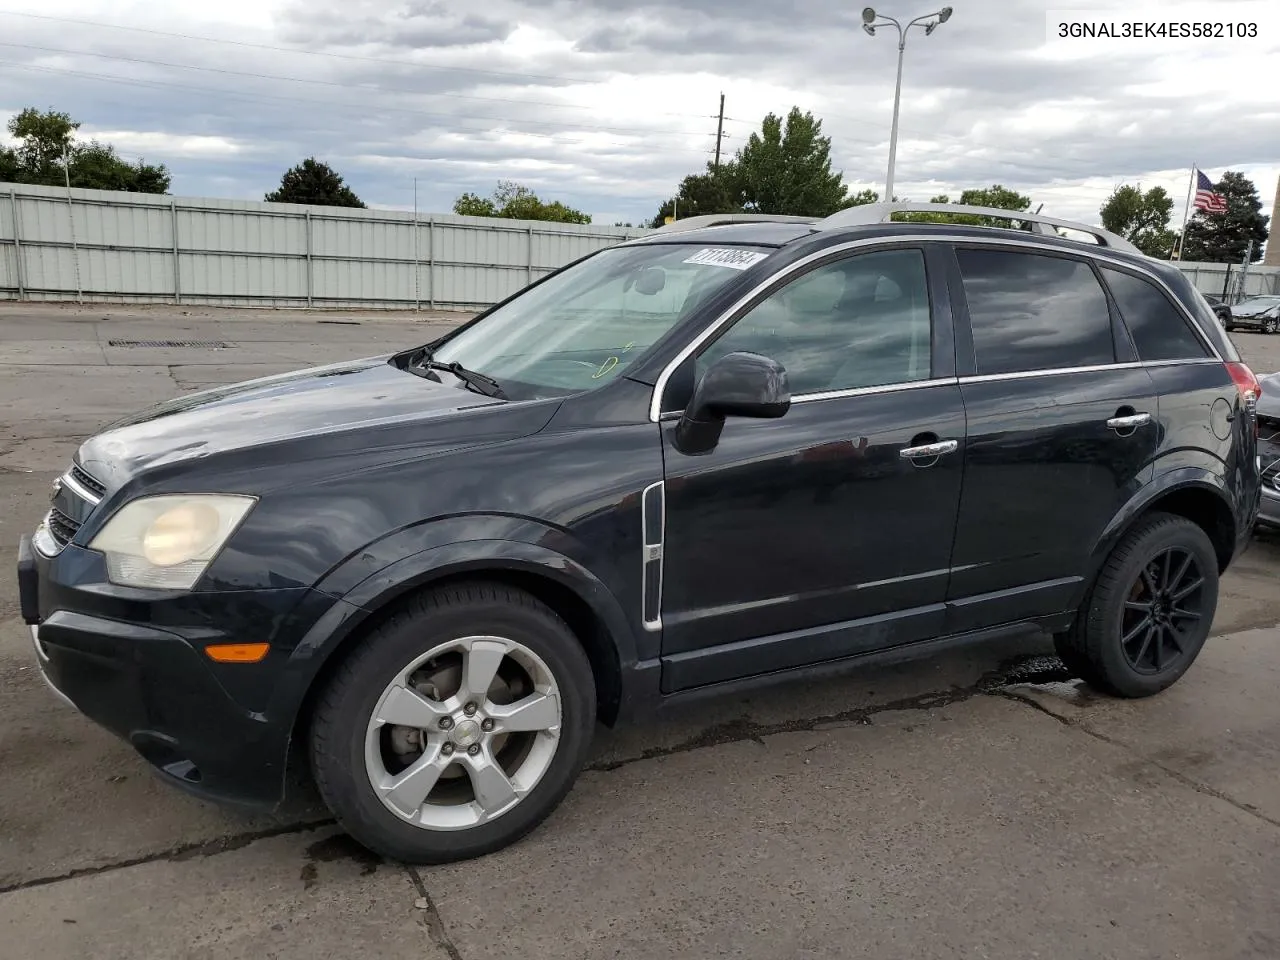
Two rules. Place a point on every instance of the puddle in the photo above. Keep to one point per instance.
(341, 847)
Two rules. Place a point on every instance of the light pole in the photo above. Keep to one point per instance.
(930, 22)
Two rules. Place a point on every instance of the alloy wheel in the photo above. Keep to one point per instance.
(463, 733)
(1164, 606)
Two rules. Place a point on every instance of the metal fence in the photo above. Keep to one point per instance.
(99, 245)
(1223, 279)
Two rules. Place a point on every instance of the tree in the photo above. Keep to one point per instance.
(1141, 218)
(699, 194)
(997, 196)
(514, 201)
(48, 154)
(314, 182)
(1224, 237)
(786, 169)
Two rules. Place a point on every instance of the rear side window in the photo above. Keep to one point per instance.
(1031, 312)
(1159, 330)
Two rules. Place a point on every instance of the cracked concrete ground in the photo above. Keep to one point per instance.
(978, 804)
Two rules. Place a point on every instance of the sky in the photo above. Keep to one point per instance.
(605, 105)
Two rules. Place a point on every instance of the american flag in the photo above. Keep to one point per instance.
(1206, 199)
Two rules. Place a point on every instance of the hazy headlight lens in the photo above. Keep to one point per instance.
(166, 542)
(180, 534)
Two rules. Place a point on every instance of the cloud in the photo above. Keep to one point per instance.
(605, 106)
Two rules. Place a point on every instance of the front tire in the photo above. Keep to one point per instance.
(456, 727)
(1269, 326)
(1149, 612)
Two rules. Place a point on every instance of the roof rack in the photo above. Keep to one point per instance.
(720, 219)
(872, 213)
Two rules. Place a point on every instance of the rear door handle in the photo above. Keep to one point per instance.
(1129, 422)
(929, 450)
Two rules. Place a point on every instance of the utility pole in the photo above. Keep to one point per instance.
(719, 133)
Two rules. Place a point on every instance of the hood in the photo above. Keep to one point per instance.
(385, 404)
(1253, 310)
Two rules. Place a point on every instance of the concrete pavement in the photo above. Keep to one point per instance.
(943, 808)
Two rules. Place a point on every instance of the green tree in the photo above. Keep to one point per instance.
(515, 201)
(1141, 218)
(48, 153)
(861, 198)
(997, 196)
(699, 194)
(314, 182)
(1224, 237)
(786, 169)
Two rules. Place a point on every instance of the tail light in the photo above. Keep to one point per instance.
(1249, 387)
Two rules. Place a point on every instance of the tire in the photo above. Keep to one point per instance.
(1269, 326)
(349, 750)
(1156, 656)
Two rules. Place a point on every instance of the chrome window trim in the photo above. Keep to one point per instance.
(656, 414)
(652, 552)
(881, 388)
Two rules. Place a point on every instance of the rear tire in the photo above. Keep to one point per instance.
(456, 727)
(1149, 612)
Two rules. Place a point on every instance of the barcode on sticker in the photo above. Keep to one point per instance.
(727, 257)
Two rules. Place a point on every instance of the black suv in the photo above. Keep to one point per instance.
(710, 458)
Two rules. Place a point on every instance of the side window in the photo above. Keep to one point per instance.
(1033, 312)
(862, 321)
(1159, 330)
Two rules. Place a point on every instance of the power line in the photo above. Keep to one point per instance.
(364, 110)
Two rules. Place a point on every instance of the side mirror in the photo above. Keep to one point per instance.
(737, 385)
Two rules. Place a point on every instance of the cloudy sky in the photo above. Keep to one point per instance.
(605, 104)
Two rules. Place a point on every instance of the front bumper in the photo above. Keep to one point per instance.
(136, 666)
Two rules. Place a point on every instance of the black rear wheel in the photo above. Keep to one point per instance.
(1150, 611)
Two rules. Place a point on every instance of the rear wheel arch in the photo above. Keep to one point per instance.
(1199, 500)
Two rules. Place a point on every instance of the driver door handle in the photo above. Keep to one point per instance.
(929, 450)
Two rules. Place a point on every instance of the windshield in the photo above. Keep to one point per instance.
(583, 327)
(1259, 303)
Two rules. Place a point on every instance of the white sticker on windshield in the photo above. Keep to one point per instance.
(727, 257)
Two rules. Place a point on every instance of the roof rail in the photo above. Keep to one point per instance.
(720, 219)
(872, 213)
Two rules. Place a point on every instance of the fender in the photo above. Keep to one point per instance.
(348, 612)
(1178, 478)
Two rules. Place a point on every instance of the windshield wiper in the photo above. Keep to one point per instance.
(476, 381)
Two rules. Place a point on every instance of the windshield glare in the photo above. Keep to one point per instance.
(583, 327)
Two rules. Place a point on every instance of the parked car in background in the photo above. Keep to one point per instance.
(1221, 310)
(693, 463)
(1259, 313)
(1269, 450)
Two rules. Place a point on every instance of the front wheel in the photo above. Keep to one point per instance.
(1150, 611)
(1269, 325)
(456, 727)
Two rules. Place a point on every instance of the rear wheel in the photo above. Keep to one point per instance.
(456, 727)
(1150, 611)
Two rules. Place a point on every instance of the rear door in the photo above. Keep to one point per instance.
(1062, 429)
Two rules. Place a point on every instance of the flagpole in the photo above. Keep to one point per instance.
(1186, 215)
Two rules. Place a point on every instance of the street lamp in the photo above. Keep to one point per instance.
(930, 22)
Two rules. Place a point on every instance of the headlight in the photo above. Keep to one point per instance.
(166, 542)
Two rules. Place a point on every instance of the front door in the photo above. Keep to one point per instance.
(827, 532)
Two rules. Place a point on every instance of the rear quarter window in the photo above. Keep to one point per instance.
(1158, 328)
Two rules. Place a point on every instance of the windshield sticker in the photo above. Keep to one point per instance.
(727, 257)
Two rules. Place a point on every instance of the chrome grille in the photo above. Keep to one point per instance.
(76, 494)
(96, 487)
(61, 527)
